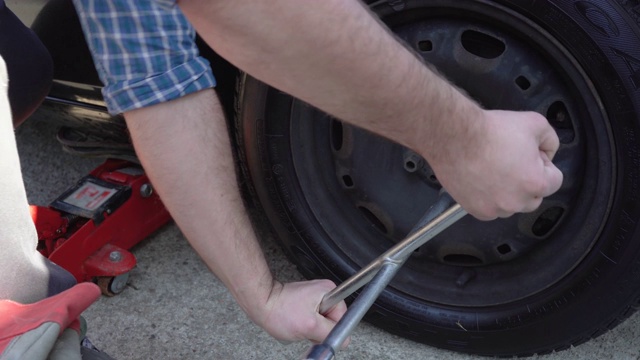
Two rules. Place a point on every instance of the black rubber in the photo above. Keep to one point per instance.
(29, 65)
(591, 248)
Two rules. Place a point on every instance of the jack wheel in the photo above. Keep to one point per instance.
(112, 285)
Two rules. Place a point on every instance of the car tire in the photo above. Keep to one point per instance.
(336, 196)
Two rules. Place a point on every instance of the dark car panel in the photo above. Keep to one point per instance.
(75, 98)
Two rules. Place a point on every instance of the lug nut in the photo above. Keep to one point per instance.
(412, 161)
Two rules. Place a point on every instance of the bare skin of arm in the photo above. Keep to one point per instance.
(184, 147)
(336, 56)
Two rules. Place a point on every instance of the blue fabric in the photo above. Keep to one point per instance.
(144, 51)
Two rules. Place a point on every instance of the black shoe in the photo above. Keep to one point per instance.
(59, 279)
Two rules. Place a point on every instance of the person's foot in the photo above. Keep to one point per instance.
(59, 279)
(90, 352)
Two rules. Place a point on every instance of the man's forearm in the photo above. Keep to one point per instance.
(352, 67)
(185, 149)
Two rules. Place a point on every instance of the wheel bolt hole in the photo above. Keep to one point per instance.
(547, 221)
(558, 116)
(504, 249)
(425, 45)
(347, 180)
(337, 135)
(482, 45)
(523, 83)
(375, 221)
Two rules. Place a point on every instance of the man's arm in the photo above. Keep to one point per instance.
(184, 147)
(336, 56)
(182, 141)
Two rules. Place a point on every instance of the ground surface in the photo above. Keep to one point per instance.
(174, 308)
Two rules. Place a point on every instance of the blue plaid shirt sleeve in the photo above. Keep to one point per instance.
(144, 51)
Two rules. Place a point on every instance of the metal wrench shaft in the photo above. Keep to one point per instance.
(381, 271)
(432, 223)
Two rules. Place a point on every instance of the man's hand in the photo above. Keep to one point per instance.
(291, 312)
(504, 165)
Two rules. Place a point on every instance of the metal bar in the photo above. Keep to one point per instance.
(382, 270)
(361, 305)
(399, 253)
(319, 352)
(379, 273)
(326, 350)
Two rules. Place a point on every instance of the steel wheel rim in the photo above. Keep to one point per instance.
(348, 213)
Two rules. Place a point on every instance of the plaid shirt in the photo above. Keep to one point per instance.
(144, 51)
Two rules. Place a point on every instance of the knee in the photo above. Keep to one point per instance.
(29, 66)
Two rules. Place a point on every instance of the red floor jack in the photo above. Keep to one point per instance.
(89, 229)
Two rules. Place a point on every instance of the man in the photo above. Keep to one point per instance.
(333, 54)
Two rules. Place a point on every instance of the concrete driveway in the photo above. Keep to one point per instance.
(174, 308)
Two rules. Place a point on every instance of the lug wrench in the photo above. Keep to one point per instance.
(378, 274)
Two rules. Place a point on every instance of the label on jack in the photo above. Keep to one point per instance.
(92, 198)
